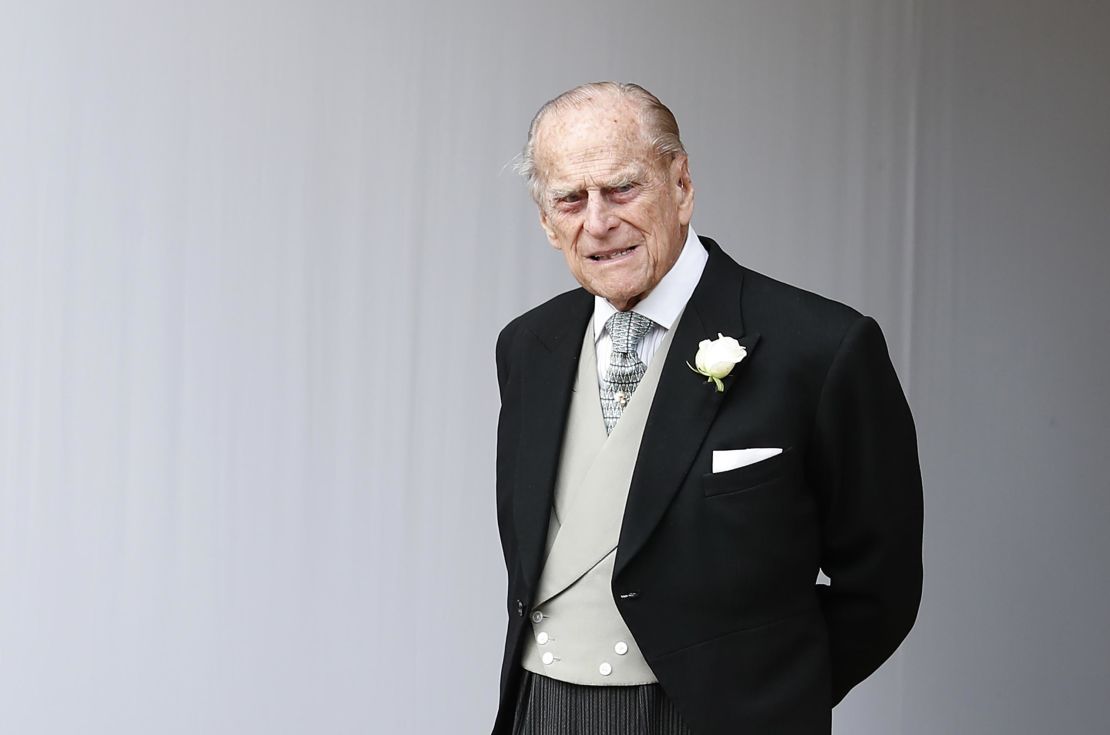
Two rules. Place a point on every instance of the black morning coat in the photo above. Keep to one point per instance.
(715, 573)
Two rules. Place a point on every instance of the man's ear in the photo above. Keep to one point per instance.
(546, 225)
(684, 185)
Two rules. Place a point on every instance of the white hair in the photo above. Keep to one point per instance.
(656, 120)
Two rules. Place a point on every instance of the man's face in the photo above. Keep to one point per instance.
(617, 211)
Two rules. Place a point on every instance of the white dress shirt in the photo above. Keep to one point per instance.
(662, 305)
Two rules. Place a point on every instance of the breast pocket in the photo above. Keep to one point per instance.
(762, 474)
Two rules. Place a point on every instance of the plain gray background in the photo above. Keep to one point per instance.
(254, 256)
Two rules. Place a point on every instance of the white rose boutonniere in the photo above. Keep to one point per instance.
(717, 357)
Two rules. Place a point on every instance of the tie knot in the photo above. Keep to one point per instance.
(626, 329)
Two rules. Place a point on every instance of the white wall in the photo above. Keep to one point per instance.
(253, 257)
(1011, 320)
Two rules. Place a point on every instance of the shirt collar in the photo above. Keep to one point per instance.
(667, 300)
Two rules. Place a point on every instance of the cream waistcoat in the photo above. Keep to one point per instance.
(578, 633)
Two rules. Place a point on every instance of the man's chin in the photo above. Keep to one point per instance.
(621, 293)
(622, 300)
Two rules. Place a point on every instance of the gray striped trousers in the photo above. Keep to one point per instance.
(548, 706)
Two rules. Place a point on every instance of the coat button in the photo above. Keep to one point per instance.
(542, 638)
(605, 669)
(548, 658)
(621, 648)
(520, 608)
(537, 617)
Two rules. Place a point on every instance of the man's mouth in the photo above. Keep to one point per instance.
(614, 255)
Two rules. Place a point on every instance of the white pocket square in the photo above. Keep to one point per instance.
(730, 459)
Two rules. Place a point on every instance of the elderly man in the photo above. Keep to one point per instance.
(683, 444)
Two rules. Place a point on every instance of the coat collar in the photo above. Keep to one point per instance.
(550, 360)
(685, 404)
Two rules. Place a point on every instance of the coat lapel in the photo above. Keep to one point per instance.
(550, 363)
(685, 404)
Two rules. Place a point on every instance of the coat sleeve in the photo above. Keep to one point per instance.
(865, 465)
(507, 430)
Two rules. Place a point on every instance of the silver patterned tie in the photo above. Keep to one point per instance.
(626, 330)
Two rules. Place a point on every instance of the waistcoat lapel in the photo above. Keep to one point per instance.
(594, 474)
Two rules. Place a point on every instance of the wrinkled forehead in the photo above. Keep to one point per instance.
(591, 143)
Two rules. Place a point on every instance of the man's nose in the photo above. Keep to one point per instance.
(600, 217)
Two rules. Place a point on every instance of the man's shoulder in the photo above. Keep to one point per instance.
(779, 309)
(807, 328)
(552, 322)
(548, 318)
(769, 297)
